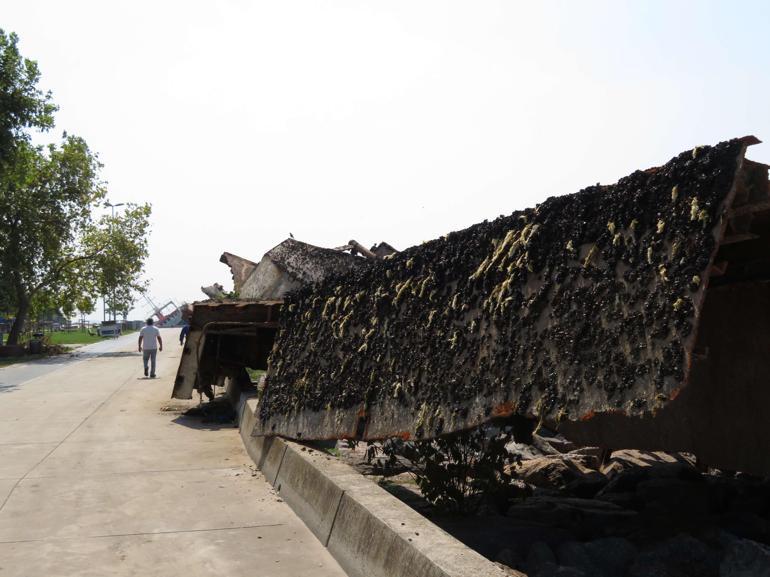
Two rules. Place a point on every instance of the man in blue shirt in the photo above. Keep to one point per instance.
(183, 334)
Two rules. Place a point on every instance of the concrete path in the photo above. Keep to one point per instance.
(100, 475)
(13, 375)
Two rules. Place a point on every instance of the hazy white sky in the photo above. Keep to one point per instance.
(383, 120)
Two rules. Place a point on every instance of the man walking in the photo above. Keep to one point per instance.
(185, 332)
(149, 336)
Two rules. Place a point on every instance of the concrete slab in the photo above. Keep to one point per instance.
(13, 375)
(368, 531)
(266, 452)
(110, 484)
(376, 535)
(314, 496)
(146, 502)
(19, 459)
(6, 486)
(272, 551)
(36, 431)
(30, 410)
(134, 456)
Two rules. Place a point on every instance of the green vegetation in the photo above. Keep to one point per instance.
(57, 251)
(72, 338)
(460, 473)
(255, 374)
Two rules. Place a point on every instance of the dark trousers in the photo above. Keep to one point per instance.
(149, 355)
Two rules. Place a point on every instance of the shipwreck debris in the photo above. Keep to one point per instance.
(629, 315)
(228, 335)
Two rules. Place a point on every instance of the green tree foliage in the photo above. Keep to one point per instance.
(119, 266)
(22, 104)
(55, 251)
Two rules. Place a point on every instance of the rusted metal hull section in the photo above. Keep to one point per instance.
(583, 312)
(224, 338)
(721, 416)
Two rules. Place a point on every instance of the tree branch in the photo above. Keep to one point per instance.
(56, 272)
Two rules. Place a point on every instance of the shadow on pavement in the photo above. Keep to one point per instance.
(214, 415)
(120, 354)
(7, 388)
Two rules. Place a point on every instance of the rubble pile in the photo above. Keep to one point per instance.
(635, 514)
(640, 513)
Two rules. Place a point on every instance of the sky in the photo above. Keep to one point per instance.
(242, 122)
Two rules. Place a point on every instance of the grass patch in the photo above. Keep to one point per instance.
(72, 338)
(255, 374)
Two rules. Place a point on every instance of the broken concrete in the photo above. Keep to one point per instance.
(215, 291)
(291, 265)
(241, 269)
(229, 335)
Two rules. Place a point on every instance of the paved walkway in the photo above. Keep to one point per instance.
(100, 475)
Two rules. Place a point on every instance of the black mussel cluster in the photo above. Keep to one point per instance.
(582, 303)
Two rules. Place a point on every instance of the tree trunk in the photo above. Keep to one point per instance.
(18, 323)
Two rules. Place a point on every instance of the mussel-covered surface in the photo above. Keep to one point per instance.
(584, 304)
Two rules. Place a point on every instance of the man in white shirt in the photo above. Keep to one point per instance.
(149, 336)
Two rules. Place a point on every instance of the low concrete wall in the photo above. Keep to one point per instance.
(368, 531)
(266, 452)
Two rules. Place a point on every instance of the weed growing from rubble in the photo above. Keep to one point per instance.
(459, 473)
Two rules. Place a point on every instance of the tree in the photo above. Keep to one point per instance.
(22, 104)
(55, 252)
(118, 267)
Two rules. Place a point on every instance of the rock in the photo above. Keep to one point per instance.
(553, 570)
(680, 556)
(508, 570)
(538, 555)
(574, 554)
(557, 471)
(627, 480)
(595, 452)
(749, 496)
(510, 558)
(623, 500)
(611, 555)
(543, 445)
(672, 495)
(626, 459)
(524, 450)
(720, 492)
(746, 526)
(586, 487)
(745, 558)
(561, 444)
(585, 518)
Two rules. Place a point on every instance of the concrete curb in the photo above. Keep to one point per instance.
(368, 531)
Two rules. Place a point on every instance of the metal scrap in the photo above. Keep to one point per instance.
(583, 312)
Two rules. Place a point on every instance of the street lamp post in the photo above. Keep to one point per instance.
(104, 297)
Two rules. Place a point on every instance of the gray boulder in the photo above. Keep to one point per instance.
(744, 558)
(574, 554)
(680, 556)
(553, 570)
(611, 555)
(539, 554)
